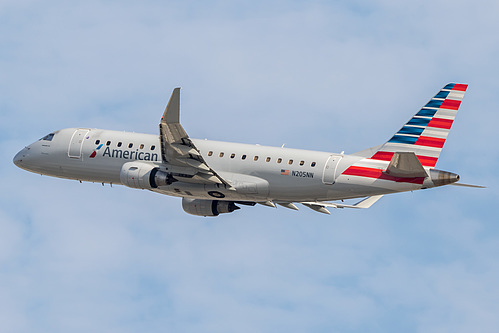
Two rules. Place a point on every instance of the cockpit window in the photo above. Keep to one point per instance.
(48, 137)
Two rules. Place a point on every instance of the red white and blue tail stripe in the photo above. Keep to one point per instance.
(426, 132)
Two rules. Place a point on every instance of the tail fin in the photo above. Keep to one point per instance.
(426, 132)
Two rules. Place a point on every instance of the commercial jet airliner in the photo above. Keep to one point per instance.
(213, 177)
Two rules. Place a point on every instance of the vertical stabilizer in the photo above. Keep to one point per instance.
(426, 132)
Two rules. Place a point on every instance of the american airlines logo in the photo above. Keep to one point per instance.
(125, 154)
(94, 153)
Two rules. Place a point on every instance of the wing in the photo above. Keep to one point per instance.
(178, 150)
(320, 206)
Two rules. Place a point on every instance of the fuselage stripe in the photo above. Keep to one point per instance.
(378, 174)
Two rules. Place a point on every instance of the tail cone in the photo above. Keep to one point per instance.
(440, 178)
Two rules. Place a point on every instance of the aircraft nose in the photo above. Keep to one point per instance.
(21, 157)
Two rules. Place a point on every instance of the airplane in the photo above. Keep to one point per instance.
(214, 177)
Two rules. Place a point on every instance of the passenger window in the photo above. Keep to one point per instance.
(232, 155)
(255, 158)
(153, 147)
(130, 145)
(141, 146)
(97, 142)
(210, 153)
(279, 160)
(108, 143)
(243, 157)
(302, 162)
(221, 155)
(290, 162)
(267, 159)
(119, 144)
(312, 164)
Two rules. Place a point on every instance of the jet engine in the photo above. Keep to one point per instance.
(143, 176)
(202, 207)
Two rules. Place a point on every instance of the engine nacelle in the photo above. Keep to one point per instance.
(143, 175)
(202, 207)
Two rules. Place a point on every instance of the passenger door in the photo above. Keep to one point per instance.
(76, 143)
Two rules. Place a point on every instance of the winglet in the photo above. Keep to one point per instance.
(172, 111)
(170, 126)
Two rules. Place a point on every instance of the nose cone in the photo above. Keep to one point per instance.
(20, 158)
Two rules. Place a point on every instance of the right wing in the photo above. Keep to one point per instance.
(178, 150)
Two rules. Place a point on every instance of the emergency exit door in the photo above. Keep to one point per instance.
(329, 175)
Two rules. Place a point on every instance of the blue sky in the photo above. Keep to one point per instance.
(322, 75)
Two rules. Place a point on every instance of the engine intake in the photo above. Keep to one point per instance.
(200, 207)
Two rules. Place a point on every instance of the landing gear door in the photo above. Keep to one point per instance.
(329, 175)
(76, 143)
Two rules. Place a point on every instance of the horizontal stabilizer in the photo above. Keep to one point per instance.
(468, 185)
(405, 165)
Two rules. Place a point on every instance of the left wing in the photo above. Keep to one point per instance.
(178, 150)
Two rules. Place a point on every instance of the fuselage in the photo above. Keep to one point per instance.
(257, 173)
